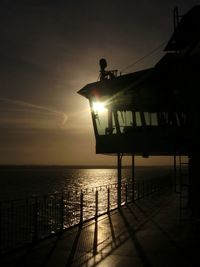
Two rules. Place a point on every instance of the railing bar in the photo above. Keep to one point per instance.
(42, 215)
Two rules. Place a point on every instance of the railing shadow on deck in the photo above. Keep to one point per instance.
(101, 248)
(28, 221)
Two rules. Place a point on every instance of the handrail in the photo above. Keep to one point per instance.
(26, 221)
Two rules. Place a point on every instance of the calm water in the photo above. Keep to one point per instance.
(21, 182)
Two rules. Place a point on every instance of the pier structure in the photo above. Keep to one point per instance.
(155, 111)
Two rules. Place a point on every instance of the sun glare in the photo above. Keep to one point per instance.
(98, 107)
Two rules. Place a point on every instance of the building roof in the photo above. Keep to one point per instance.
(132, 81)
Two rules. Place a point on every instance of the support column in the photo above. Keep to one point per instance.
(110, 122)
(175, 175)
(119, 181)
(133, 178)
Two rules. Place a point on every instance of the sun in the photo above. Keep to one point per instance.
(98, 107)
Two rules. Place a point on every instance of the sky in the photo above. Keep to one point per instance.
(49, 51)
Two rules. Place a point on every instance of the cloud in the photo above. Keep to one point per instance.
(21, 114)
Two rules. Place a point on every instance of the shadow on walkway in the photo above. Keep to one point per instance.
(145, 233)
(132, 233)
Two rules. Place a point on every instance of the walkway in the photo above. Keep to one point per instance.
(146, 233)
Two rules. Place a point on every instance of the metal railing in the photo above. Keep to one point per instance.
(26, 221)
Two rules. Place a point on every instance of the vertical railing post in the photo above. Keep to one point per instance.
(175, 175)
(96, 203)
(108, 208)
(81, 208)
(35, 220)
(126, 192)
(62, 212)
(133, 178)
(119, 174)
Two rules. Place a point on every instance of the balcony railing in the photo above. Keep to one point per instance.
(26, 221)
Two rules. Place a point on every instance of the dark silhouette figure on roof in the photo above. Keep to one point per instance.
(104, 74)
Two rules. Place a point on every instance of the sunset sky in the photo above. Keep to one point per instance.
(50, 50)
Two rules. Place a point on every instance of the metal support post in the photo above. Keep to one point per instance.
(119, 183)
(96, 204)
(108, 210)
(133, 178)
(81, 208)
(126, 189)
(175, 174)
(62, 212)
(35, 220)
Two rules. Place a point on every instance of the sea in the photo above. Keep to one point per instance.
(20, 182)
(38, 201)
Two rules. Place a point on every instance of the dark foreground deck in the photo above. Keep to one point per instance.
(146, 233)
